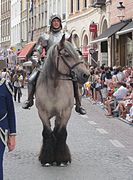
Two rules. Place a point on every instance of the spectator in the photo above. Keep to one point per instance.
(118, 95)
(17, 86)
(125, 105)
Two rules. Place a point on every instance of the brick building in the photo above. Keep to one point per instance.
(115, 44)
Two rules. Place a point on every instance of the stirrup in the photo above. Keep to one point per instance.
(80, 110)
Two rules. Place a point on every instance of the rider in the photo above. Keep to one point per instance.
(46, 41)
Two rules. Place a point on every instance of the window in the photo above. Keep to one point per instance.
(39, 21)
(29, 24)
(78, 5)
(85, 3)
(42, 20)
(71, 9)
(34, 22)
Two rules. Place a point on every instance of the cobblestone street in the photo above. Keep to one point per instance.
(93, 156)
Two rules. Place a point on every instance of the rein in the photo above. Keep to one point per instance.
(72, 76)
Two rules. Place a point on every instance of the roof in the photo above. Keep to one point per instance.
(26, 50)
(109, 32)
(128, 28)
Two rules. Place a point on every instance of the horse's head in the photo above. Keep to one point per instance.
(69, 63)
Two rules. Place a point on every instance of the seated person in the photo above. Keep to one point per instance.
(124, 106)
(131, 113)
(118, 95)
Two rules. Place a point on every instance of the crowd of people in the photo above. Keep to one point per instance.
(112, 88)
(17, 78)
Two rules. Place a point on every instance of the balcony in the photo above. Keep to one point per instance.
(98, 3)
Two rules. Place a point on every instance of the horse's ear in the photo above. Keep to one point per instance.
(70, 38)
(62, 41)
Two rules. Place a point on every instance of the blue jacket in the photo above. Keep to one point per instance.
(7, 113)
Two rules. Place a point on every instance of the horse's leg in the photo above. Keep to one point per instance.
(62, 152)
(46, 156)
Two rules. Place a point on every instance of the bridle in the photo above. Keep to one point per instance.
(72, 75)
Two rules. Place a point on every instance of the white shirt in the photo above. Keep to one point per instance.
(120, 93)
(120, 76)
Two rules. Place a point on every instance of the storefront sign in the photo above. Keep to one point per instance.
(93, 27)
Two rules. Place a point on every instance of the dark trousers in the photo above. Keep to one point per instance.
(2, 149)
(17, 91)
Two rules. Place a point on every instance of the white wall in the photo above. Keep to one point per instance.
(15, 23)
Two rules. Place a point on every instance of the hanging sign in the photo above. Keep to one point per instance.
(93, 27)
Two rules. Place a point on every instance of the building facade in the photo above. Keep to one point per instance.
(15, 24)
(5, 23)
(80, 16)
(24, 22)
(37, 19)
(124, 38)
(115, 46)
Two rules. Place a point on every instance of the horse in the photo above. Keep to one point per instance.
(54, 97)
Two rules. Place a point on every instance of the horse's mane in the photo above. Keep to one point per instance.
(49, 65)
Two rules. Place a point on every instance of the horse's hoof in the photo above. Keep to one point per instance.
(46, 165)
(63, 164)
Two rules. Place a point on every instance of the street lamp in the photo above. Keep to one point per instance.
(121, 9)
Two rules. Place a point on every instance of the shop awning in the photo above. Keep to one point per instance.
(128, 28)
(109, 32)
(26, 50)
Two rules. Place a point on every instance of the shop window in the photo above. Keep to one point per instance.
(129, 35)
(129, 50)
(104, 46)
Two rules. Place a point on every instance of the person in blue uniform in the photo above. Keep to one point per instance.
(7, 118)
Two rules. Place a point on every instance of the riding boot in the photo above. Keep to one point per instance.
(31, 91)
(78, 107)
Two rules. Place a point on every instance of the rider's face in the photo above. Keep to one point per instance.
(56, 23)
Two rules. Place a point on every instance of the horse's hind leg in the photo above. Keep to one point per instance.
(46, 156)
(62, 153)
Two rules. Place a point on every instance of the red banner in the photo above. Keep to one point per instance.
(93, 27)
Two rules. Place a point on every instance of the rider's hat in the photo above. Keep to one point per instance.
(54, 16)
(3, 64)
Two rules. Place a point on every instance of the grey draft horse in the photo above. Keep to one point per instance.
(55, 98)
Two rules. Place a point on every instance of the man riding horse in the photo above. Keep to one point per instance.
(46, 41)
